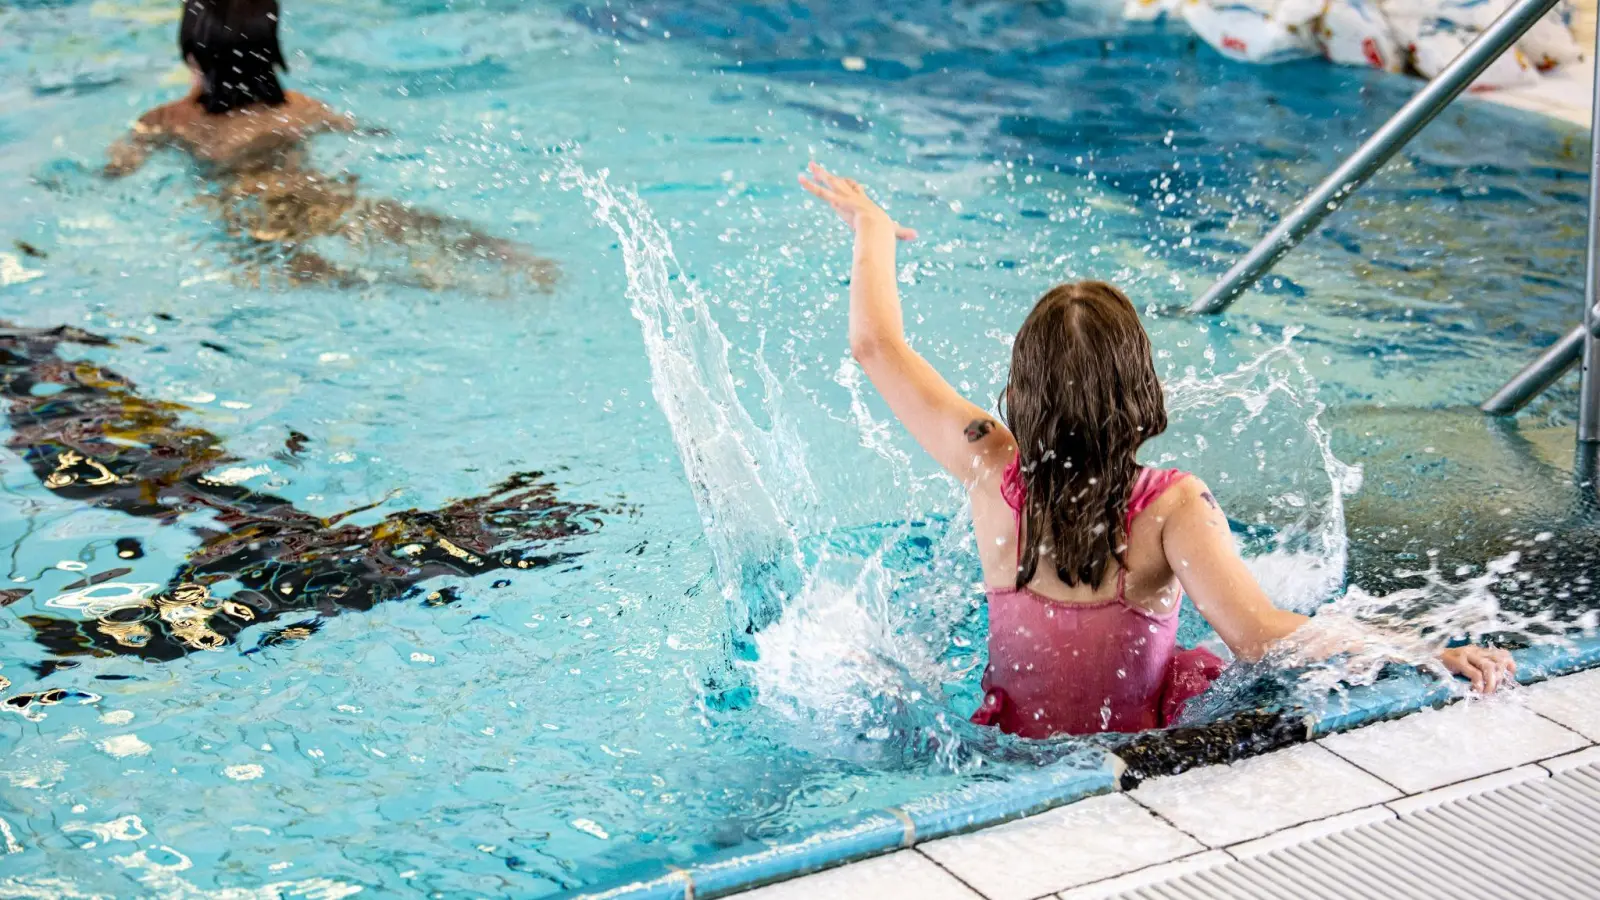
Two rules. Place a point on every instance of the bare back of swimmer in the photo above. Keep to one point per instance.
(249, 134)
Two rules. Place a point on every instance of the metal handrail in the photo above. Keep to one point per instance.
(1554, 362)
(1581, 342)
(1538, 375)
(1384, 143)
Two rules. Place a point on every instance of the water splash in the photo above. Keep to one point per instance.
(862, 640)
(903, 617)
(797, 612)
(750, 484)
(1266, 411)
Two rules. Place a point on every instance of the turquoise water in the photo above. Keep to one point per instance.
(499, 729)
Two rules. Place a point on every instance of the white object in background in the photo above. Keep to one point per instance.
(1248, 33)
(1355, 33)
(1441, 42)
(1391, 35)
(1551, 41)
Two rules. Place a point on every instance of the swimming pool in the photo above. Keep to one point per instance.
(501, 728)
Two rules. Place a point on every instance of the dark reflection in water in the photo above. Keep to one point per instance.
(89, 436)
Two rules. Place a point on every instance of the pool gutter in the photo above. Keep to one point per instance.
(986, 804)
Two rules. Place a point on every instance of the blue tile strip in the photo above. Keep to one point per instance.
(968, 808)
(985, 804)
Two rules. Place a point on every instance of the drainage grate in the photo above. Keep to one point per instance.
(1533, 839)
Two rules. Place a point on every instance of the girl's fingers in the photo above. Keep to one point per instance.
(836, 182)
(823, 176)
(817, 189)
(904, 233)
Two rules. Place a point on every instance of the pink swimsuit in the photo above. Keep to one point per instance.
(1082, 668)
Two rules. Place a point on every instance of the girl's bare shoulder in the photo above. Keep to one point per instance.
(167, 118)
(313, 114)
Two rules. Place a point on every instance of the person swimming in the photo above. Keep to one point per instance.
(249, 136)
(1086, 554)
(89, 436)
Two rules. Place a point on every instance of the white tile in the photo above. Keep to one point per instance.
(1586, 757)
(1416, 803)
(1223, 805)
(1434, 748)
(1310, 831)
(1076, 844)
(1147, 876)
(906, 875)
(1573, 700)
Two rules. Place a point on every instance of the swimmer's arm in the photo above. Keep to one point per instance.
(129, 152)
(959, 435)
(1199, 546)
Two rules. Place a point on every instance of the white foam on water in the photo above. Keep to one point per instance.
(123, 745)
(37, 776)
(27, 887)
(124, 828)
(841, 641)
(159, 869)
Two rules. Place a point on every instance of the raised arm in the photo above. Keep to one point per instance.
(1200, 548)
(958, 434)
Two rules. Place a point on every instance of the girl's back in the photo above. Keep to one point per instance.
(1080, 659)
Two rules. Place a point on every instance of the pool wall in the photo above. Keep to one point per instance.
(983, 805)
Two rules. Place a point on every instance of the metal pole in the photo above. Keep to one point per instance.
(1539, 374)
(1371, 156)
(1589, 392)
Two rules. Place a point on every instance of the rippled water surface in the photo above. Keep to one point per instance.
(437, 581)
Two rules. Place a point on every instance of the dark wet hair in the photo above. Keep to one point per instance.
(234, 43)
(1082, 396)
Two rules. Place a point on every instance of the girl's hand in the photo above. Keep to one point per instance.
(1485, 667)
(851, 202)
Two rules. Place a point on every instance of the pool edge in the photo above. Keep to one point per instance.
(945, 813)
(754, 864)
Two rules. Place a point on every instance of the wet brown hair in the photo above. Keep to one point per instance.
(234, 44)
(1082, 396)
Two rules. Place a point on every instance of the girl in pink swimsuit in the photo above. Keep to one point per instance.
(1086, 555)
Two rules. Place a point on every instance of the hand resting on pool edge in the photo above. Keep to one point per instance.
(1086, 554)
(250, 135)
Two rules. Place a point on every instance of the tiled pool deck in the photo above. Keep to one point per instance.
(1166, 826)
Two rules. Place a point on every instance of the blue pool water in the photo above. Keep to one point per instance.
(498, 728)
